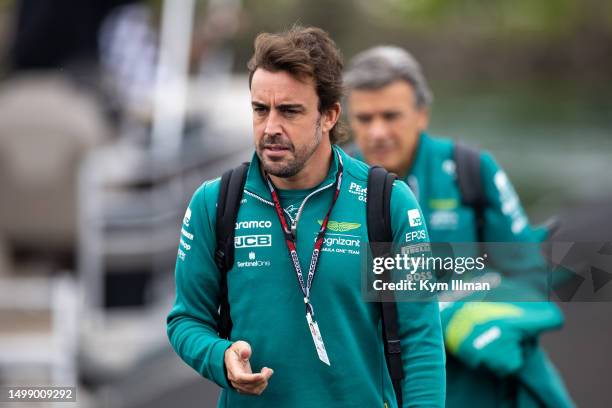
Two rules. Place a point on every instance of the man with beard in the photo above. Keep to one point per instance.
(274, 356)
(493, 356)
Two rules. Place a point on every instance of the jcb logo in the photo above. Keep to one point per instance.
(251, 241)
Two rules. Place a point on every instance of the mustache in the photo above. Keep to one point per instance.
(276, 140)
(380, 144)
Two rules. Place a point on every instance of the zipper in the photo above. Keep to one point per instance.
(270, 203)
(294, 221)
(299, 213)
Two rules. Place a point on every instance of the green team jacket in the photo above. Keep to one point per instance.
(267, 307)
(470, 382)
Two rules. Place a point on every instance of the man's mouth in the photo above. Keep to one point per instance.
(276, 148)
(275, 151)
(380, 150)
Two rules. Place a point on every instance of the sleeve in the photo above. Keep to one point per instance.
(423, 356)
(519, 257)
(191, 324)
(505, 218)
(492, 334)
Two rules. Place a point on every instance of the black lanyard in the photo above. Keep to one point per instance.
(290, 239)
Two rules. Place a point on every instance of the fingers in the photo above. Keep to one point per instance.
(239, 370)
(267, 372)
(246, 378)
(237, 359)
(242, 349)
(256, 387)
(255, 378)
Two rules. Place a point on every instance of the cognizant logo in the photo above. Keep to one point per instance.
(331, 241)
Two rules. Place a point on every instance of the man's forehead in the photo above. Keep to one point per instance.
(280, 87)
(389, 97)
(391, 90)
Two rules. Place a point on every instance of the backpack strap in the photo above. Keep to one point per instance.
(467, 164)
(378, 207)
(230, 194)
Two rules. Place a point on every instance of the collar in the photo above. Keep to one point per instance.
(419, 155)
(255, 182)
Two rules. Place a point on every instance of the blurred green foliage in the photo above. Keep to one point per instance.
(536, 16)
(457, 39)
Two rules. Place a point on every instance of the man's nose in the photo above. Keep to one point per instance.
(273, 124)
(378, 130)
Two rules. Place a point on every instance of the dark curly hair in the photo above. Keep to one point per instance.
(304, 52)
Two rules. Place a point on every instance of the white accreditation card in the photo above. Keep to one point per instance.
(317, 339)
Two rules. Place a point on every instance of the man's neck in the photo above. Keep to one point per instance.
(406, 167)
(314, 172)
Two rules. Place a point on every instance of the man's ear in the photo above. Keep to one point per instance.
(331, 116)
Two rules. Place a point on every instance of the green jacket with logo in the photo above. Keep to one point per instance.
(499, 374)
(267, 307)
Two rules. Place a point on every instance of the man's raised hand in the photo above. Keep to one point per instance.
(239, 371)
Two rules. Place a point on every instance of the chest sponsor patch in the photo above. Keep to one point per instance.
(443, 203)
(187, 217)
(253, 241)
(341, 243)
(340, 226)
(253, 261)
(416, 235)
(443, 220)
(414, 218)
(358, 190)
(253, 224)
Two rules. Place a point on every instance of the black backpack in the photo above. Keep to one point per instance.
(467, 165)
(378, 204)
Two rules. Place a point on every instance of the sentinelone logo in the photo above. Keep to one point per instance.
(253, 262)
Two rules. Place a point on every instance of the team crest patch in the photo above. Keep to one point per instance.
(340, 226)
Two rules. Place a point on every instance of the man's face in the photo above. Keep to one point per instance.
(386, 124)
(287, 125)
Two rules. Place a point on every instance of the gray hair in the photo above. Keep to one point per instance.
(379, 66)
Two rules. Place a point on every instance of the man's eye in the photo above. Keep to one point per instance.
(290, 112)
(260, 110)
(389, 116)
(364, 119)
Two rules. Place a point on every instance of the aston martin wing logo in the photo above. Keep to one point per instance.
(340, 226)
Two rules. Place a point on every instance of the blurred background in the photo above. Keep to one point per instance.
(112, 112)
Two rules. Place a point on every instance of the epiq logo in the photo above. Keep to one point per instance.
(253, 241)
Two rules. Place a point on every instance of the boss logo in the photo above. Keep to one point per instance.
(252, 241)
